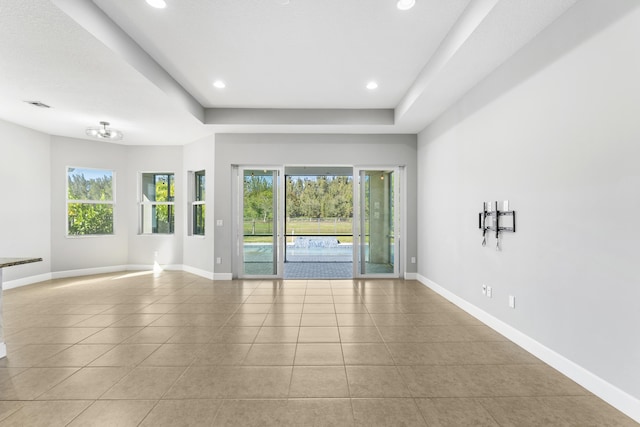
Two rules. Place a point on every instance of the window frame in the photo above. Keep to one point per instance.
(195, 201)
(142, 203)
(111, 202)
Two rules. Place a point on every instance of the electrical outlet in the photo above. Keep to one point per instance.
(484, 289)
(512, 301)
(218, 260)
(219, 223)
(489, 291)
(413, 260)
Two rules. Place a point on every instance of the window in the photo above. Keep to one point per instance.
(90, 201)
(197, 203)
(157, 203)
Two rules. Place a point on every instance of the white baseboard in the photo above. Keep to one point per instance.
(410, 276)
(112, 269)
(3, 350)
(611, 394)
(198, 272)
(26, 281)
(87, 271)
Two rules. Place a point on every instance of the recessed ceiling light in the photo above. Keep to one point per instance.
(158, 4)
(219, 84)
(372, 85)
(406, 4)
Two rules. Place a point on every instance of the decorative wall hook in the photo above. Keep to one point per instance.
(493, 219)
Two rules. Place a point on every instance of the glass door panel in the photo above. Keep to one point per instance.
(259, 226)
(377, 246)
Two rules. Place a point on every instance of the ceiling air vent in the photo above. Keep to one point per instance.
(38, 104)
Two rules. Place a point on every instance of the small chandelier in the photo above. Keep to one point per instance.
(104, 133)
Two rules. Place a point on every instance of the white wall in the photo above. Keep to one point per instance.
(198, 250)
(563, 146)
(308, 149)
(90, 252)
(25, 213)
(143, 248)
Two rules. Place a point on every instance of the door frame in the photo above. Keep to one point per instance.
(358, 221)
(278, 220)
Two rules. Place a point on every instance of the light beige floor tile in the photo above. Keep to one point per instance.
(366, 354)
(77, 355)
(359, 334)
(101, 320)
(318, 299)
(9, 407)
(318, 320)
(246, 319)
(46, 414)
(393, 319)
(33, 382)
(260, 299)
(30, 355)
(319, 381)
(347, 299)
(144, 383)
(384, 308)
(111, 335)
(454, 412)
(415, 354)
(121, 413)
(125, 355)
(258, 382)
(222, 354)
(342, 308)
(524, 412)
(585, 411)
(270, 354)
(278, 334)
(386, 412)
(252, 413)
(231, 382)
(376, 381)
(318, 334)
(236, 334)
(192, 413)
(87, 383)
(8, 373)
(152, 335)
(200, 382)
(51, 335)
(254, 308)
(193, 335)
(354, 319)
(283, 319)
(157, 308)
(174, 355)
(318, 309)
(320, 412)
(287, 308)
(136, 320)
(457, 370)
(291, 299)
(319, 354)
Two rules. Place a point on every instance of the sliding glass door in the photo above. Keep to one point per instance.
(378, 226)
(260, 222)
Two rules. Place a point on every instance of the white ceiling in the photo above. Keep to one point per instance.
(150, 72)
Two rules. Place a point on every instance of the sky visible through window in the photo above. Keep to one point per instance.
(91, 174)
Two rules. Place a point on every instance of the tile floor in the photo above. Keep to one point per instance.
(132, 349)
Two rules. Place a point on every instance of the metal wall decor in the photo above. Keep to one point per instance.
(497, 220)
